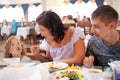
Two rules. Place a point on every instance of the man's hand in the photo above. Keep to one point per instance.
(88, 62)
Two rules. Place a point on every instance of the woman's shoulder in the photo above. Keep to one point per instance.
(78, 33)
(75, 34)
(74, 31)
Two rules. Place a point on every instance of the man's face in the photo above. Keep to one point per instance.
(99, 29)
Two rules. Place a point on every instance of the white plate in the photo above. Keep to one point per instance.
(2, 64)
(55, 66)
(11, 60)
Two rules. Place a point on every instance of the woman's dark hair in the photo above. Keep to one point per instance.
(53, 23)
(106, 13)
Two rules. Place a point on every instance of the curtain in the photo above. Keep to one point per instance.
(24, 6)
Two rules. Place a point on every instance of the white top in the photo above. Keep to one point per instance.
(25, 59)
(66, 50)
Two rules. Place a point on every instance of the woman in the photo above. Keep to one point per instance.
(15, 49)
(62, 44)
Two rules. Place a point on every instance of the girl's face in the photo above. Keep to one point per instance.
(15, 48)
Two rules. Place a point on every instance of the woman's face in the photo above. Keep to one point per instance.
(45, 32)
(15, 48)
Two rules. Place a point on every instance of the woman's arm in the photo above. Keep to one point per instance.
(79, 53)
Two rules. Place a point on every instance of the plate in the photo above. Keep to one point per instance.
(55, 66)
(24, 64)
(118, 28)
(10, 61)
(3, 64)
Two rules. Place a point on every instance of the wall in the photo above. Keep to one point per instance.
(116, 5)
(49, 4)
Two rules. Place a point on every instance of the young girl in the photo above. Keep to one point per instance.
(14, 49)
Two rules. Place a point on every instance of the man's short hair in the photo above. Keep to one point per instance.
(106, 13)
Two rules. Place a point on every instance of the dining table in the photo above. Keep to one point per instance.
(23, 31)
(45, 71)
(22, 70)
(6, 30)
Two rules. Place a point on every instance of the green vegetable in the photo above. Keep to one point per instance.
(72, 75)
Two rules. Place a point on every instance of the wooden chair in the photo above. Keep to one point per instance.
(31, 38)
(86, 26)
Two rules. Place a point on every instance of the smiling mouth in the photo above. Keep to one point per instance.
(96, 35)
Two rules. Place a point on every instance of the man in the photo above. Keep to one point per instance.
(105, 43)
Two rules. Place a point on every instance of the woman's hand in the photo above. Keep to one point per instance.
(88, 62)
(35, 50)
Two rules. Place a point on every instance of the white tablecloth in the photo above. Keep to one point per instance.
(24, 73)
(23, 31)
(6, 30)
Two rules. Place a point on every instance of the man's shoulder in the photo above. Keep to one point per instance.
(95, 42)
(93, 39)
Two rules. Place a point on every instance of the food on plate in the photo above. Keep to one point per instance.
(68, 75)
(54, 66)
(2, 64)
(118, 28)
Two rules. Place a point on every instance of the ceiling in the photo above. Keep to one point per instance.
(19, 1)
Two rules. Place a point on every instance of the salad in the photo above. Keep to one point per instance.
(68, 74)
(71, 73)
